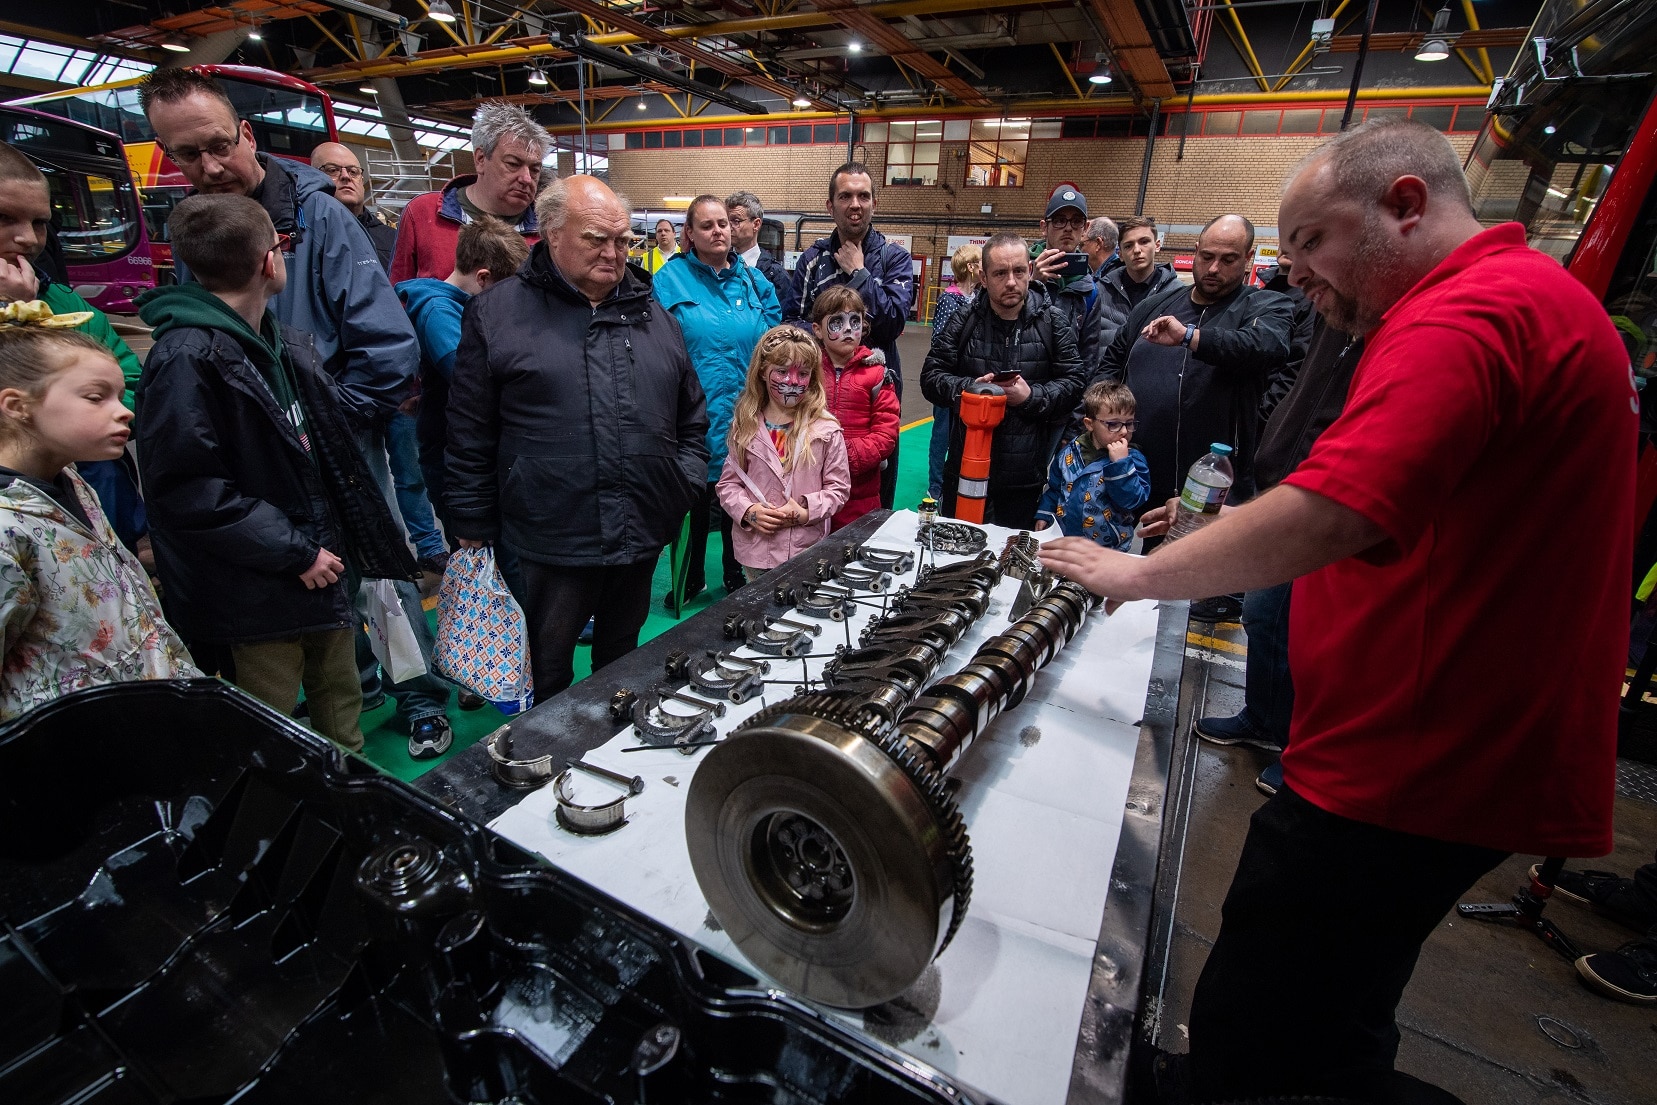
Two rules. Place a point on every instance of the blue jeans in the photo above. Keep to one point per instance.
(426, 695)
(412, 502)
(1268, 690)
(938, 451)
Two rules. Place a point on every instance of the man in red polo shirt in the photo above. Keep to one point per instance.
(1457, 651)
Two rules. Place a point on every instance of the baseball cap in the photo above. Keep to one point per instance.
(1065, 196)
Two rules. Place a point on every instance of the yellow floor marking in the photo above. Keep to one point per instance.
(917, 422)
(1202, 641)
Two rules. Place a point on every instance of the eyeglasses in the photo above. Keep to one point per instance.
(284, 244)
(1067, 224)
(218, 150)
(844, 322)
(1115, 427)
(349, 172)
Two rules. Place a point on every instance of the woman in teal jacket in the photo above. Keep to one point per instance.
(722, 306)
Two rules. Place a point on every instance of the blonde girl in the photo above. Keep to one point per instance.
(786, 474)
(76, 608)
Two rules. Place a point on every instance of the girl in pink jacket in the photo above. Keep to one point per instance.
(786, 475)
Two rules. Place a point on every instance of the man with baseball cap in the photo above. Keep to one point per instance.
(1072, 292)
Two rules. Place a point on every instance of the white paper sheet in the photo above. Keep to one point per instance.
(1042, 792)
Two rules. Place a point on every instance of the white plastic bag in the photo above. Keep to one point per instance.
(482, 640)
(389, 632)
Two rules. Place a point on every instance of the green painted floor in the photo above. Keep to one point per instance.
(386, 740)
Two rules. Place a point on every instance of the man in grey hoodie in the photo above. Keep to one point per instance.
(337, 292)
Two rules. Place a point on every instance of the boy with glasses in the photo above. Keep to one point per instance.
(1097, 483)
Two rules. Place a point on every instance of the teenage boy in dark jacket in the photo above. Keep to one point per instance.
(1013, 337)
(258, 499)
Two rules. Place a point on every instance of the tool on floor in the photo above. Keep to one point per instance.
(1525, 910)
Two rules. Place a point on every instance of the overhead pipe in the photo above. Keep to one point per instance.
(1358, 67)
(1145, 167)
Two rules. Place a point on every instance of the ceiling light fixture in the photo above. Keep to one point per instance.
(854, 46)
(1099, 76)
(801, 101)
(368, 88)
(1437, 45)
(441, 11)
(176, 44)
(254, 34)
(536, 77)
(1549, 129)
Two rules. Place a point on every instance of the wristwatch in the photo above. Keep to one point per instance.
(1186, 340)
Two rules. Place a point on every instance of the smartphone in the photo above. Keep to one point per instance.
(1006, 377)
(1075, 264)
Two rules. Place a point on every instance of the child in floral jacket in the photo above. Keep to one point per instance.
(76, 608)
(1097, 482)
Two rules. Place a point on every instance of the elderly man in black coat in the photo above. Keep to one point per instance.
(576, 429)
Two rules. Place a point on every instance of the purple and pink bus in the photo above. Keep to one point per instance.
(95, 205)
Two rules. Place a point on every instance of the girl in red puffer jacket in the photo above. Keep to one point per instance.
(859, 395)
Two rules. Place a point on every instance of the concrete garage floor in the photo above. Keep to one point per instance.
(1492, 1014)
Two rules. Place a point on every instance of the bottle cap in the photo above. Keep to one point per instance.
(1221, 448)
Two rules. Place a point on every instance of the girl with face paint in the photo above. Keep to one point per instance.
(786, 473)
(861, 395)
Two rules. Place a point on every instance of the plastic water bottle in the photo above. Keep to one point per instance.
(1206, 486)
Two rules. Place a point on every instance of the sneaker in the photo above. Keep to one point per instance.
(436, 565)
(690, 596)
(469, 701)
(1220, 608)
(430, 737)
(1607, 893)
(1627, 974)
(1269, 780)
(1228, 731)
(586, 637)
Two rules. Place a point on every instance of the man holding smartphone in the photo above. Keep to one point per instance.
(1013, 338)
(1061, 274)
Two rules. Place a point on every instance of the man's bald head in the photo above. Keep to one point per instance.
(587, 228)
(1224, 249)
(344, 168)
(1366, 160)
(1230, 229)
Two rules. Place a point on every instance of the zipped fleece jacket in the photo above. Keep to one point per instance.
(1042, 349)
(238, 504)
(722, 316)
(76, 609)
(338, 293)
(861, 397)
(577, 434)
(886, 282)
(430, 226)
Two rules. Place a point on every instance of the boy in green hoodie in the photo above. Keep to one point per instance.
(258, 498)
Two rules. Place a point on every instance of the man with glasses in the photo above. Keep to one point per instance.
(747, 215)
(1061, 274)
(340, 164)
(576, 430)
(508, 147)
(337, 293)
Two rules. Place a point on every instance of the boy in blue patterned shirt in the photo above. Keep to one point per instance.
(1097, 482)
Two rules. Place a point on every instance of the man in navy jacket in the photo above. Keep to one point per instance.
(860, 257)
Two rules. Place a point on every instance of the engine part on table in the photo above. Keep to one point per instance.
(787, 642)
(271, 923)
(587, 820)
(633, 784)
(1019, 556)
(940, 627)
(970, 599)
(719, 675)
(739, 628)
(676, 663)
(864, 578)
(982, 569)
(951, 537)
(824, 601)
(663, 728)
(825, 839)
(521, 774)
(981, 408)
(896, 561)
(1031, 590)
(880, 698)
(621, 706)
(908, 665)
(717, 709)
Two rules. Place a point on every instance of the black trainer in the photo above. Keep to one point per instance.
(1220, 608)
(1608, 893)
(1627, 974)
(430, 737)
(1233, 730)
